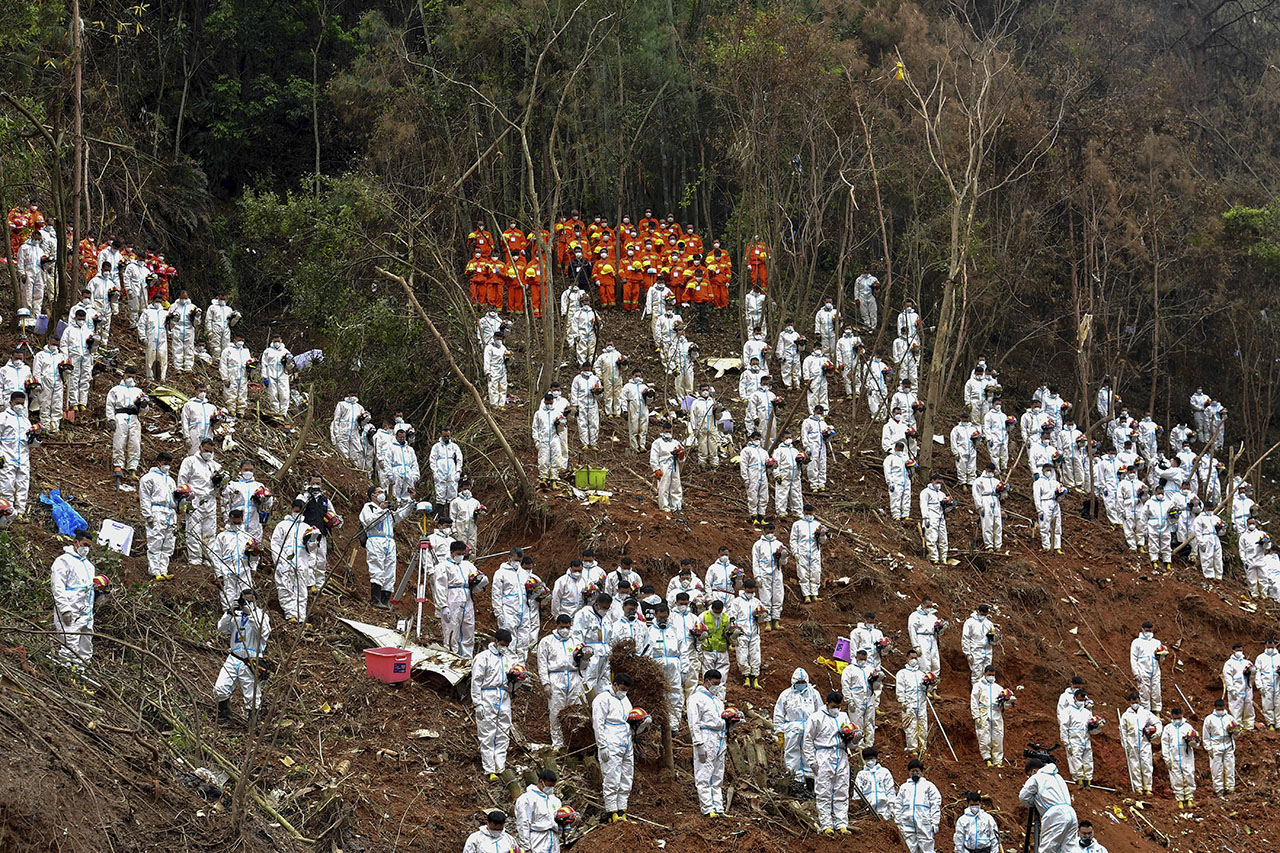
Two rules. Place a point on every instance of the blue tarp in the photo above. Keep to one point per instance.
(67, 519)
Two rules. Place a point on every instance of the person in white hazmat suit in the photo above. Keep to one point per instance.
(608, 366)
(491, 687)
(787, 474)
(635, 396)
(976, 830)
(934, 506)
(897, 476)
(1220, 730)
(876, 783)
(560, 675)
(664, 460)
(754, 464)
(1178, 748)
(828, 736)
(919, 810)
(987, 704)
(463, 513)
(708, 731)
(51, 395)
(584, 395)
(1139, 729)
(492, 837)
(977, 640)
(248, 627)
(455, 584)
(535, 809)
(508, 596)
(913, 697)
(292, 562)
(378, 521)
(218, 321)
(858, 683)
(546, 439)
(670, 646)
(233, 563)
(345, 429)
(445, 461)
(275, 364)
(746, 611)
(203, 475)
(964, 447)
(1145, 656)
(813, 372)
(153, 331)
(198, 418)
(610, 712)
(767, 557)
(791, 713)
(815, 437)
(807, 536)
(1238, 678)
(1266, 674)
(159, 508)
(184, 317)
(1046, 792)
(1079, 725)
(923, 627)
(124, 404)
(399, 463)
(71, 580)
(593, 630)
(233, 369)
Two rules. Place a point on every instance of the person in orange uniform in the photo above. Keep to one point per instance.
(720, 265)
(673, 270)
(632, 272)
(494, 281)
(692, 240)
(514, 240)
(533, 281)
(698, 292)
(649, 222)
(475, 273)
(480, 238)
(605, 275)
(758, 264)
(514, 280)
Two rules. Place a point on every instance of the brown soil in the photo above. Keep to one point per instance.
(336, 742)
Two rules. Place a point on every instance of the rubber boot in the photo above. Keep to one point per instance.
(224, 712)
(808, 788)
(375, 596)
(386, 599)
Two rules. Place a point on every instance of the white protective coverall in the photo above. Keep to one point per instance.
(614, 748)
(160, 512)
(1047, 792)
(791, 713)
(491, 700)
(707, 731)
(919, 814)
(248, 629)
(826, 753)
(72, 584)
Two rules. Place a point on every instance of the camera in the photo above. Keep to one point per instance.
(1041, 753)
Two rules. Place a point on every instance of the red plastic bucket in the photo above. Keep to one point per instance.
(387, 664)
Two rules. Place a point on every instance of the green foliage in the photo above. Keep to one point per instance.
(1256, 232)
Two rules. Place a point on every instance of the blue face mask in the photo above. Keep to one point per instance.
(800, 688)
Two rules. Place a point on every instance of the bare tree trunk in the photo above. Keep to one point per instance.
(77, 184)
(527, 493)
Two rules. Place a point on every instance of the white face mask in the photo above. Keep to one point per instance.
(621, 694)
(128, 383)
(1146, 635)
(246, 476)
(974, 809)
(990, 679)
(575, 575)
(911, 664)
(277, 345)
(164, 469)
(202, 396)
(206, 455)
(666, 436)
(724, 561)
(1134, 706)
(82, 550)
(682, 608)
(1237, 655)
(562, 633)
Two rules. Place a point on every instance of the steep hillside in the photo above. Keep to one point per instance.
(357, 765)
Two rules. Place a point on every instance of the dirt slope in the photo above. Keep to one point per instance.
(336, 745)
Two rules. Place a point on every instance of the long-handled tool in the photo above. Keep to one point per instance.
(938, 720)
